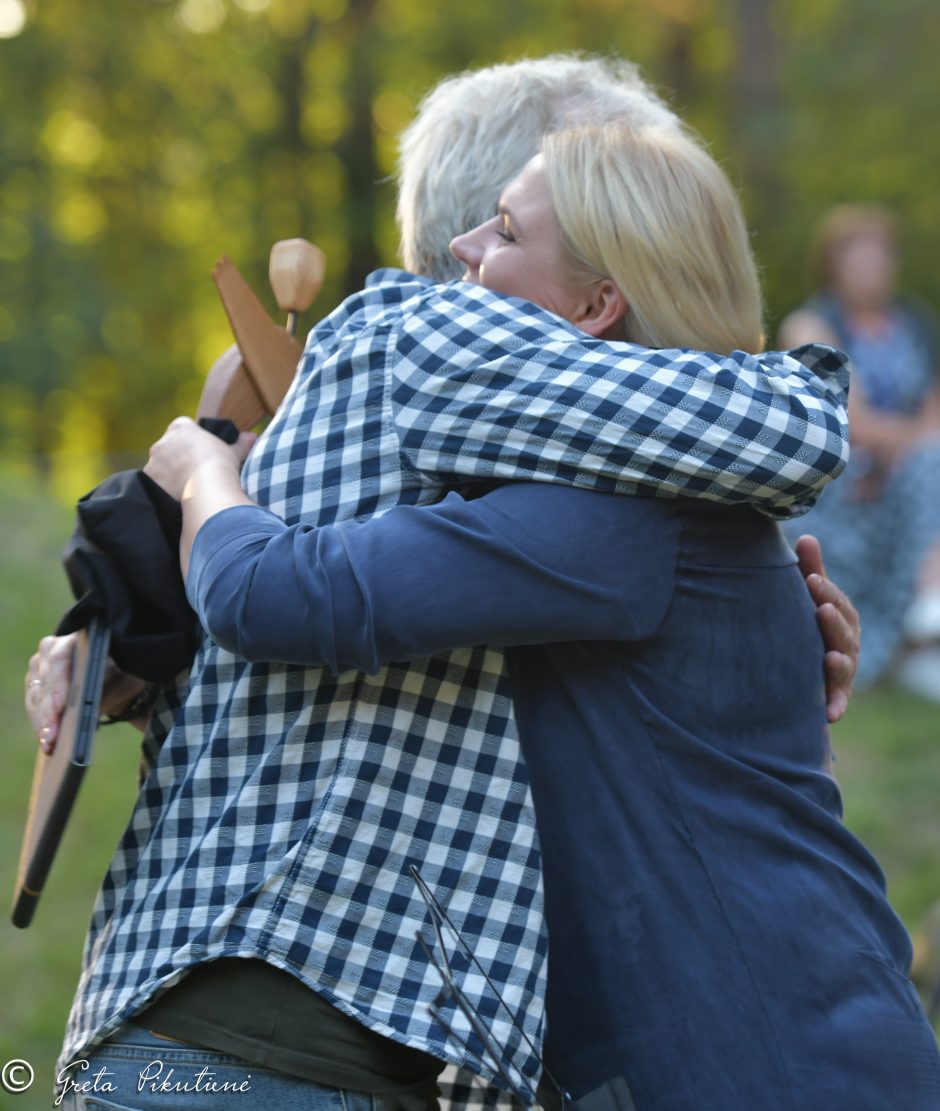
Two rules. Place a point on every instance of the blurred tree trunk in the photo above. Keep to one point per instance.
(357, 147)
(757, 124)
(678, 66)
(293, 85)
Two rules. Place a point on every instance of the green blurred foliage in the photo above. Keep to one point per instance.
(142, 140)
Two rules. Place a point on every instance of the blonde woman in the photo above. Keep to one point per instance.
(718, 939)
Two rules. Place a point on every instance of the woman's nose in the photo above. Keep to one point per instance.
(467, 249)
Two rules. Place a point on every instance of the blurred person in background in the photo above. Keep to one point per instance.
(880, 525)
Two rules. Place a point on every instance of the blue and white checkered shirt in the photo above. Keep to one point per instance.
(283, 804)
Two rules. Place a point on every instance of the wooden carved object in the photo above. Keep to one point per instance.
(247, 389)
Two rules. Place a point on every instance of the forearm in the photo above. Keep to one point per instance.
(769, 429)
(214, 485)
(929, 416)
(420, 581)
(888, 435)
(201, 472)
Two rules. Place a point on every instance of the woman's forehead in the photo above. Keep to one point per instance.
(529, 189)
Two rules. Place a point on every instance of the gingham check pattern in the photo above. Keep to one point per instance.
(284, 804)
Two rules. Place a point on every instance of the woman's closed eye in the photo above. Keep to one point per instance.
(505, 232)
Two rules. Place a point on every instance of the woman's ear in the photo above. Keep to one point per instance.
(601, 313)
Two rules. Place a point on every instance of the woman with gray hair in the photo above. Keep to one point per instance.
(727, 942)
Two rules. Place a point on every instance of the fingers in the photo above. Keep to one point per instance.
(809, 554)
(47, 687)
(185, 448)
(169, 442)
(246, 441)
(839, 624)
(170, 462)
(839, 671)
(841, 638)
(837, 618)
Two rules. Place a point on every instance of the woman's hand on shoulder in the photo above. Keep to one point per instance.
(839, 624)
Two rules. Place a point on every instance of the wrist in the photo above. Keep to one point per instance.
(213, 487)
(212, 476)
(139, 707)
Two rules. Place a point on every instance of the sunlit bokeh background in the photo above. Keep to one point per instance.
(139, 140)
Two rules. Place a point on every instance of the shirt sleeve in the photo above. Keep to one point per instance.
(491, 386)
(524, 564)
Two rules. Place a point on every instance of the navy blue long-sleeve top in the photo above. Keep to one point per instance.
(717, 936)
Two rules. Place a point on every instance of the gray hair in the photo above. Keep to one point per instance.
(474, 132)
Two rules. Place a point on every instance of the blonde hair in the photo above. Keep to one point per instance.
(650, 209)
(474, 132)
(839, 226)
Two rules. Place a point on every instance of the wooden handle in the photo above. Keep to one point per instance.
(229, 392)
(249, 383)
(296, 271)
(270, 355)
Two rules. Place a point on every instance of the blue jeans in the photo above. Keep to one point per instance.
(136, 1071)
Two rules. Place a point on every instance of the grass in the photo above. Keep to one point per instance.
(888, 763)
(39, 966)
